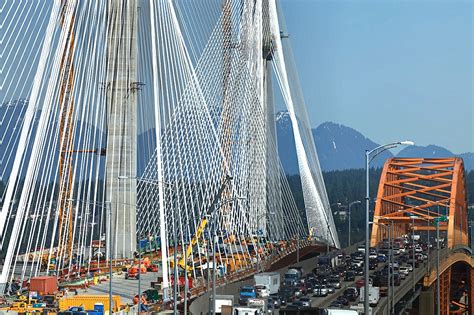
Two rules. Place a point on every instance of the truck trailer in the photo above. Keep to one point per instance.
(271, 280)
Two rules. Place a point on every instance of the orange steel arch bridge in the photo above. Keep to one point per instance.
(414, 195)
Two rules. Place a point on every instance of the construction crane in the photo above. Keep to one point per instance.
(66, 125)
(202, 226)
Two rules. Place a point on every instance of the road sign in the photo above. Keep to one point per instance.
(442, 218)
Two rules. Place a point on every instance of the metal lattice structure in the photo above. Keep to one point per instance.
(416, 194)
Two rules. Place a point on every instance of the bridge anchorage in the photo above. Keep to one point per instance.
(148, 144)
(426, 198)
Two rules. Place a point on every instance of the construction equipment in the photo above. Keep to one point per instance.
(66, 109)
(182, 263)
(134, 273)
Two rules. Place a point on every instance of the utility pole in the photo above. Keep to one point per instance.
(438, 298)
(413, 250)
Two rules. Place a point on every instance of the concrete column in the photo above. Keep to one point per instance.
(121, 87)
(426, 301)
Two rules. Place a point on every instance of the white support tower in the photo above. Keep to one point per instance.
(122, 87)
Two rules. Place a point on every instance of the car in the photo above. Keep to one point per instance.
(306, 301)
(330, 288)
(275, 300)
(343, 300)
(397, 280)
(361, 282)
(299, 305)
(357, 263)
(350, 276)
(395, 265)
(410, 268)
(373, 265)
(351, 294)
(335, 281)
(418, 249)
(262, 291)
(320, 290)
(336, 304)
(404, 270)
(381, 257)
(361, 249)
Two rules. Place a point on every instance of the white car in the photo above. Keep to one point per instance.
(418, 249)
(262, 291)
(358, 263)
(361, 249)
(404, 270)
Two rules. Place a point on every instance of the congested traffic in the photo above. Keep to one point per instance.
(337, 280)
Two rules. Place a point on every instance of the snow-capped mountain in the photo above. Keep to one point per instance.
(340, 147)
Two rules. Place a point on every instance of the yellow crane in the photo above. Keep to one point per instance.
(66, 125)
(182, 263)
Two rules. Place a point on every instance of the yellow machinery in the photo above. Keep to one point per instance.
(183, 262)
(88, 301)
(22, 305)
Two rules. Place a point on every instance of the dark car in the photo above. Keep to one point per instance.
(350, 295)
(350, 276)
(373, 265)
(397, 280)
(299, 305)
(343, 300)
(336, 304)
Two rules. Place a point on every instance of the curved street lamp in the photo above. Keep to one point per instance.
(369, 156)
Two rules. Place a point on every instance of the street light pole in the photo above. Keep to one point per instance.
(369, 156)
(109, 211)
(389, 228)
(438, 298)
(349, 230)
(139, 273)
(413, 249)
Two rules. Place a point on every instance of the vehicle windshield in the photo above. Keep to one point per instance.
(246, 290)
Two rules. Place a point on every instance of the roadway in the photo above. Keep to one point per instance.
(201, 304)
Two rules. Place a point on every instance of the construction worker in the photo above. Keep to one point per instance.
(135, 299)
(143, 304)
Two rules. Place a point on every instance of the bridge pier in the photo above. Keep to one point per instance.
(426, 301)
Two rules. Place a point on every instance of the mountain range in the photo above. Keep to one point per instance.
(340, 147)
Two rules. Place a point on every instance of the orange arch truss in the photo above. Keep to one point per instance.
(413, 192)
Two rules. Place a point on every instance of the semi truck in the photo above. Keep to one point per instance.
(271, 280)
(292, 277)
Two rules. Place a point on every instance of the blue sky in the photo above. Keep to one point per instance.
(390, 69)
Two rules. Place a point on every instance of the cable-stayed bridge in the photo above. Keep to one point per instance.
(149, 125)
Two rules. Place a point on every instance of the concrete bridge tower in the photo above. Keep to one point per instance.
(121, 97)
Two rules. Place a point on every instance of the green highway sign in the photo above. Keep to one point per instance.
(442, 218)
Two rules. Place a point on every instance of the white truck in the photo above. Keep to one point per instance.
(223, 300)
(359, 309)
(374, 295)
(271, 280)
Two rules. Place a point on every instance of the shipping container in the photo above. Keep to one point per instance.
(44, 285)
(88, 302)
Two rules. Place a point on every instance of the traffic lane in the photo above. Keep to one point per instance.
(407, 283)
(201, 303)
